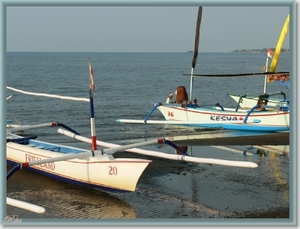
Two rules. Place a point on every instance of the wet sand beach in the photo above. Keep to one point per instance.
(171, 190)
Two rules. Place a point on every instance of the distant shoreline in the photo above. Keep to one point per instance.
(252, 50)
(258, 50)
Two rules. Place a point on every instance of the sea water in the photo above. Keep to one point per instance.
(127, 85)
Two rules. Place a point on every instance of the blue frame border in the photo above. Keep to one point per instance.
(293, 130)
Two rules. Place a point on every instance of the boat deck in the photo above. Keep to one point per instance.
(45, 145)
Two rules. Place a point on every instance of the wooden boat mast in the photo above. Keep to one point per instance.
(196, 45)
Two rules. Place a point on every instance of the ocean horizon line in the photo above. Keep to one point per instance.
(106, 52)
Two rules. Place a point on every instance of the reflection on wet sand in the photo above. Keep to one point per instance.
(272, 151)
(62, 200)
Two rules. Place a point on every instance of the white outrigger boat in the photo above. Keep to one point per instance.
(248, 101)
(251, 120)
(266, 120)
(95, 168)
(76, 166)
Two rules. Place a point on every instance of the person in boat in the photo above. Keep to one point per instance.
(196, 102)
(181, 96)
(170, 98)
(260, 104)
(193, 104)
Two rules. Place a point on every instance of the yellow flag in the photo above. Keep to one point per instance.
(279, 44)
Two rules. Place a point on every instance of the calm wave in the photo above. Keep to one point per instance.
(126, 86)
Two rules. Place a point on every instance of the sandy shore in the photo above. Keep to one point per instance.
(172, 189)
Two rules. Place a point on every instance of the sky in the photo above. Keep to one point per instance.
(142, 28)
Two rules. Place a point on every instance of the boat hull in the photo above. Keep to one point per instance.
(230, 120)
(100, 172)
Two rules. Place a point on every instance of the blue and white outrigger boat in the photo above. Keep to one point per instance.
(250, 120)
(255, 118)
